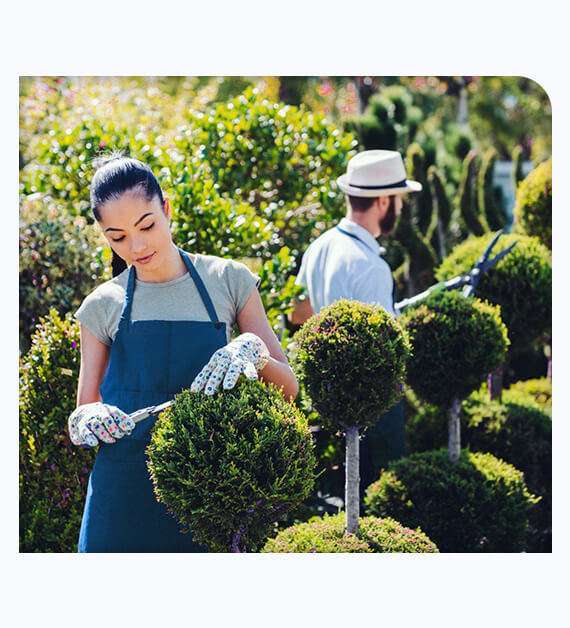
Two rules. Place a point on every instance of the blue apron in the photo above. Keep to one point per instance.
(150, 362)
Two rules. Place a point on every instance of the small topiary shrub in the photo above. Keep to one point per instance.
(456, 342)
(326, 535)
(53, 471)
(521, 283)
(539, 389)
(229, 466)
(351, 358)
(533, 206)
(479, 504)
(62, 258)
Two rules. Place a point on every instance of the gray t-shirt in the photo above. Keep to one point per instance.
(228, 282)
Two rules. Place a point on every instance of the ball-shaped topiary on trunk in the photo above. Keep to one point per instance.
(479, 504)
(456, 341)
(228, 466)
(326, 535)
(521, 283)
(351, 358)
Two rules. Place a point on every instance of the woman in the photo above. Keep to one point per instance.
(160, 325)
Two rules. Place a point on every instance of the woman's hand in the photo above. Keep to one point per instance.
(93, 422)
(247, 354)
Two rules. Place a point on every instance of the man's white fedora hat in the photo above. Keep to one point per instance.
(376, 173)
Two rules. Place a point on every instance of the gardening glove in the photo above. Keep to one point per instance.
(247, 354)
(93, 422)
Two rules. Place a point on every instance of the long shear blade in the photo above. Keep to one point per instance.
(495, 260)
(144, 413)
(489, 248)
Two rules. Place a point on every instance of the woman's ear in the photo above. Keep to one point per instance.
(166, 208)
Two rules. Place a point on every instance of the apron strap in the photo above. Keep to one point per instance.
(208, 304)
(201, 287)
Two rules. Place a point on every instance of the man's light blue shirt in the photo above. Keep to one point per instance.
(340, 266)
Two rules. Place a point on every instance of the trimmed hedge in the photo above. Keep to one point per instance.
(327, 535)
(479, 504)
(53, 471)
(228, 466)
(521, 283)
(351, 358)
(456, 342)
(533, 206)
(539, 389)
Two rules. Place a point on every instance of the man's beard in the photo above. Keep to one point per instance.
(388, 222)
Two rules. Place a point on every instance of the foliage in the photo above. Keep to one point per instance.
(479, 504)
(468, 200)
(279, 158)
(521, 283)
(204, 221)
(533, 208)
(61, 260)
(326, 535)
(227, 466)
(539, 389)
(489, 207)
(423, 202)
(351, 358)
(53, 471)
(456, 342)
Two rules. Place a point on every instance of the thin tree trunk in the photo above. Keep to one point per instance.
(549, 357)
(454, 445)
(495, 383)
(352, 481)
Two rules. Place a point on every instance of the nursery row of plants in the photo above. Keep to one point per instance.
(252, 178)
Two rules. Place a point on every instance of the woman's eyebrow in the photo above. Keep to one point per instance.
(136, 223)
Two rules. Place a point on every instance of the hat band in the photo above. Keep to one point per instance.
(399, 184)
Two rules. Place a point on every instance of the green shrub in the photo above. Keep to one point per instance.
(533, 207)
(456, 342)
(351, 357)
(228, 466)
(53, 471)
(539, 389)
(474, 220)
(279, 158)
(479, 504)
(61, 260)
(326, 535)
(423, 202)
(521, 283)
(488, 203)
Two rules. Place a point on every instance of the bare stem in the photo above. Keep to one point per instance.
(352, 483)
(454, 446)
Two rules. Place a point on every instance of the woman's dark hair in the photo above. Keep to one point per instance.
(115, 175)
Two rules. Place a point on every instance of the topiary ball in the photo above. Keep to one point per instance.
(521, 283)
(228, 466)
(351, 358)
(533, 206)
(456, 342)
(327, 535)
(479, 504)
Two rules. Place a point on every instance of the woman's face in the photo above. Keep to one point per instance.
(137, 230)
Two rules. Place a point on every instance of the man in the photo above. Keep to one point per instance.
(346, 262)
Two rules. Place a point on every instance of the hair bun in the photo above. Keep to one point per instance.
(103, 160)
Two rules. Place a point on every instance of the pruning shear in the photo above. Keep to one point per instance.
(144, 413)
(468, 282)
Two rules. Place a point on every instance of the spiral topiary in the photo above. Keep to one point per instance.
(533, 207)
(521, 283)
(326, 535)
(479, 504)
(228, 466)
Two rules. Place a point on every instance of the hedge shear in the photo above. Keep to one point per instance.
(468, 282)
(144, 413)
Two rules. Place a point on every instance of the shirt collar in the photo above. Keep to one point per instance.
(362, 234)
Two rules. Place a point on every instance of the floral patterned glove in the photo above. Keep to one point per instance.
(92, 422)
(247, 354)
